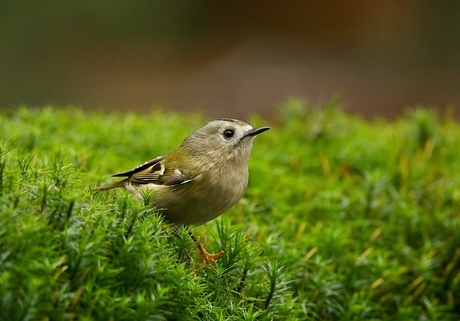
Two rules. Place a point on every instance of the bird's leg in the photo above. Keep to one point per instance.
(205, 256)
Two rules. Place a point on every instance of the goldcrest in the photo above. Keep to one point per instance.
(201, 179)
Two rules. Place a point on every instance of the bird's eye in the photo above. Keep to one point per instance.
(228, 133)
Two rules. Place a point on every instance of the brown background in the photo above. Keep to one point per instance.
(230, 58)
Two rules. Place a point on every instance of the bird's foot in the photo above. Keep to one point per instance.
(205, 256)
(208, 257)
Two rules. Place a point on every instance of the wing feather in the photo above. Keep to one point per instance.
(152, 172)
(142, 167)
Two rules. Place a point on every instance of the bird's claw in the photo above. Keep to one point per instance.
(208, 257)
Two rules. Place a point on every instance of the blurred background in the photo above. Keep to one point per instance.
(230, 58)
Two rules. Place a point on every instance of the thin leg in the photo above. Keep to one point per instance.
(205, 256)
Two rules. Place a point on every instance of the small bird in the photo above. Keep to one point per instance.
(201, 179)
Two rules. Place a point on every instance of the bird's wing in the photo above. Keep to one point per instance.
(155, 172)
(149, 164)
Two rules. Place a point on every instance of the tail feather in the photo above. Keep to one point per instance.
(112, 185)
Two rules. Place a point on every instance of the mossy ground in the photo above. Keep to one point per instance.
(343, 219)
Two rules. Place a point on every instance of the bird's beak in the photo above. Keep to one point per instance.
(257, 131)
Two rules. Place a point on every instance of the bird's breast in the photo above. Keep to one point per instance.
(204, 198)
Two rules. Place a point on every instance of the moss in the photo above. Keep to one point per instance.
(343, 219)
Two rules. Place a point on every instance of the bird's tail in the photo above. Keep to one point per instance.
(112, 185)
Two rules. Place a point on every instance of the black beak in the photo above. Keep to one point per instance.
(257, 131)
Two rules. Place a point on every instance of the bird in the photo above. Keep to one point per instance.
(200, 180)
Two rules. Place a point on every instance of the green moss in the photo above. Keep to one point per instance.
(344, 219)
